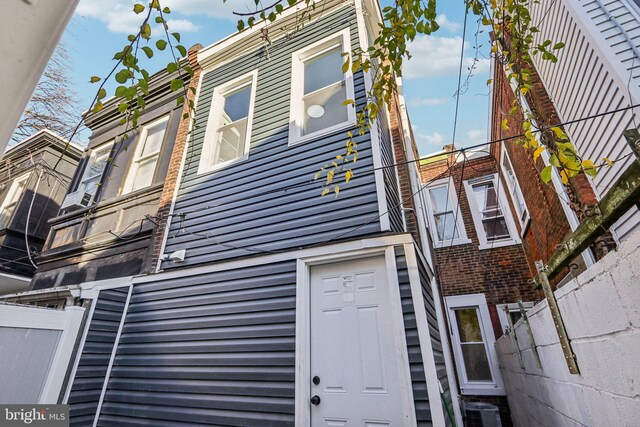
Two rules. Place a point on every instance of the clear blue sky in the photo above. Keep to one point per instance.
(99, 29)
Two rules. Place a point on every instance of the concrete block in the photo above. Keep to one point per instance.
(601, 407)
(626, 280)
(573, 317)
(601, 306)
(543, 328)
(574, 405)
(530, 363)
(628, 410)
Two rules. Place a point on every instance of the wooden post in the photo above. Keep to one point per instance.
(569, 357)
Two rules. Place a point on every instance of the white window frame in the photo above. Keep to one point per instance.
(504, 207)
(513, 308)
(82, 185)
(296, 118)
(211, 133)
(479, 302)
(137, 158)
(455, 207)
(523, 217)
(12, 193)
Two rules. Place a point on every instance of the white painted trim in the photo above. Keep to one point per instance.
(72, 318)
(426, 348)
(446, 351)
(484, 388)
(112, 358)
(12, 192)
(296, 111)
(141, 141)
(91, 290)
(303, 327)
(176, 189)
(210, 136)
(504, 207)
(504, 159)
(454, 202)
(374, 242)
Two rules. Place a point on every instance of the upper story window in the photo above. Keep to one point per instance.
(473, 345)
(143, 166)
(12, 198)
(514, 190)
(228, 133)
(92, 174)
(319, 89)
(445, 220)
(493, 223)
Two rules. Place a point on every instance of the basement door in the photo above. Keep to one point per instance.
(355, 372)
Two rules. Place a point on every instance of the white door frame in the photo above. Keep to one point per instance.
(303, 326)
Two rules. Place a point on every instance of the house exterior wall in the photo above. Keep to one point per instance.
(596, 72)
(269, 202)
(600, 311)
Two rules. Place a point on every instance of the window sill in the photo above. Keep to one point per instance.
(293, 141)
(449, 243)
(219, 166)
(500, 244)
(482, 390)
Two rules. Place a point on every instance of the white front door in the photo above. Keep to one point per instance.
(354, 347)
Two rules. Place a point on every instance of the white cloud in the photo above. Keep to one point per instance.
(182, 25)
(429, 102)
(435, 138)
(476, 136)
(433, 56)
(444, 22)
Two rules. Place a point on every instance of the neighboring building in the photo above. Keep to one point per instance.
(105, 224)
(480, 262)
(597, 72)
(269, 305)
(30, 194)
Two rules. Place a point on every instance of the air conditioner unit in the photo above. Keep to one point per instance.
(77, 200)
(480, 414)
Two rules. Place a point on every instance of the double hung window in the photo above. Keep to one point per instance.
(473, 339)
(228, 131)
(445, 219)
(490, 213)
(143, 166)
(320, 89)
(514, 190)
(93, 171)
(11, 200)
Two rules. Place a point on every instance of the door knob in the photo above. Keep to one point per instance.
(315, 400)
(316, 380)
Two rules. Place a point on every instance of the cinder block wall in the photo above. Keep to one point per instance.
(601, 311)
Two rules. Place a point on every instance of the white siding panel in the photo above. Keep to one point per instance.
(597, 71)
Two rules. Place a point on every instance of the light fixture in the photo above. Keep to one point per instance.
(315, 111)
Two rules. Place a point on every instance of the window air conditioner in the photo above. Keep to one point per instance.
(77, 200)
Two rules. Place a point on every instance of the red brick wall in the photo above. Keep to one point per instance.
(174, 164)
(502, 274)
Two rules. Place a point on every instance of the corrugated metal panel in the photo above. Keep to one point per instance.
(390, 174)
(251, 204)
(418, 378)
(96, 353)
(597, 71)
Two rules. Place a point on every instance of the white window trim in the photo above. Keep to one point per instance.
(455, 207)
(506, 212)
(208, 146)
(524, 222)
(486, 388)
(513, 307)
(297, 87)
(82, 185)
(12, 190)
(137, 159)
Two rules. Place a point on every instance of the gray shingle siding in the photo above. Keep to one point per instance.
(270, 202)
(96, 353)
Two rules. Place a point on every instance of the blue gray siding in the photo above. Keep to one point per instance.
(207, 349)
(96, 353)
(418, 378)
(390, 175)
(270, 202)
